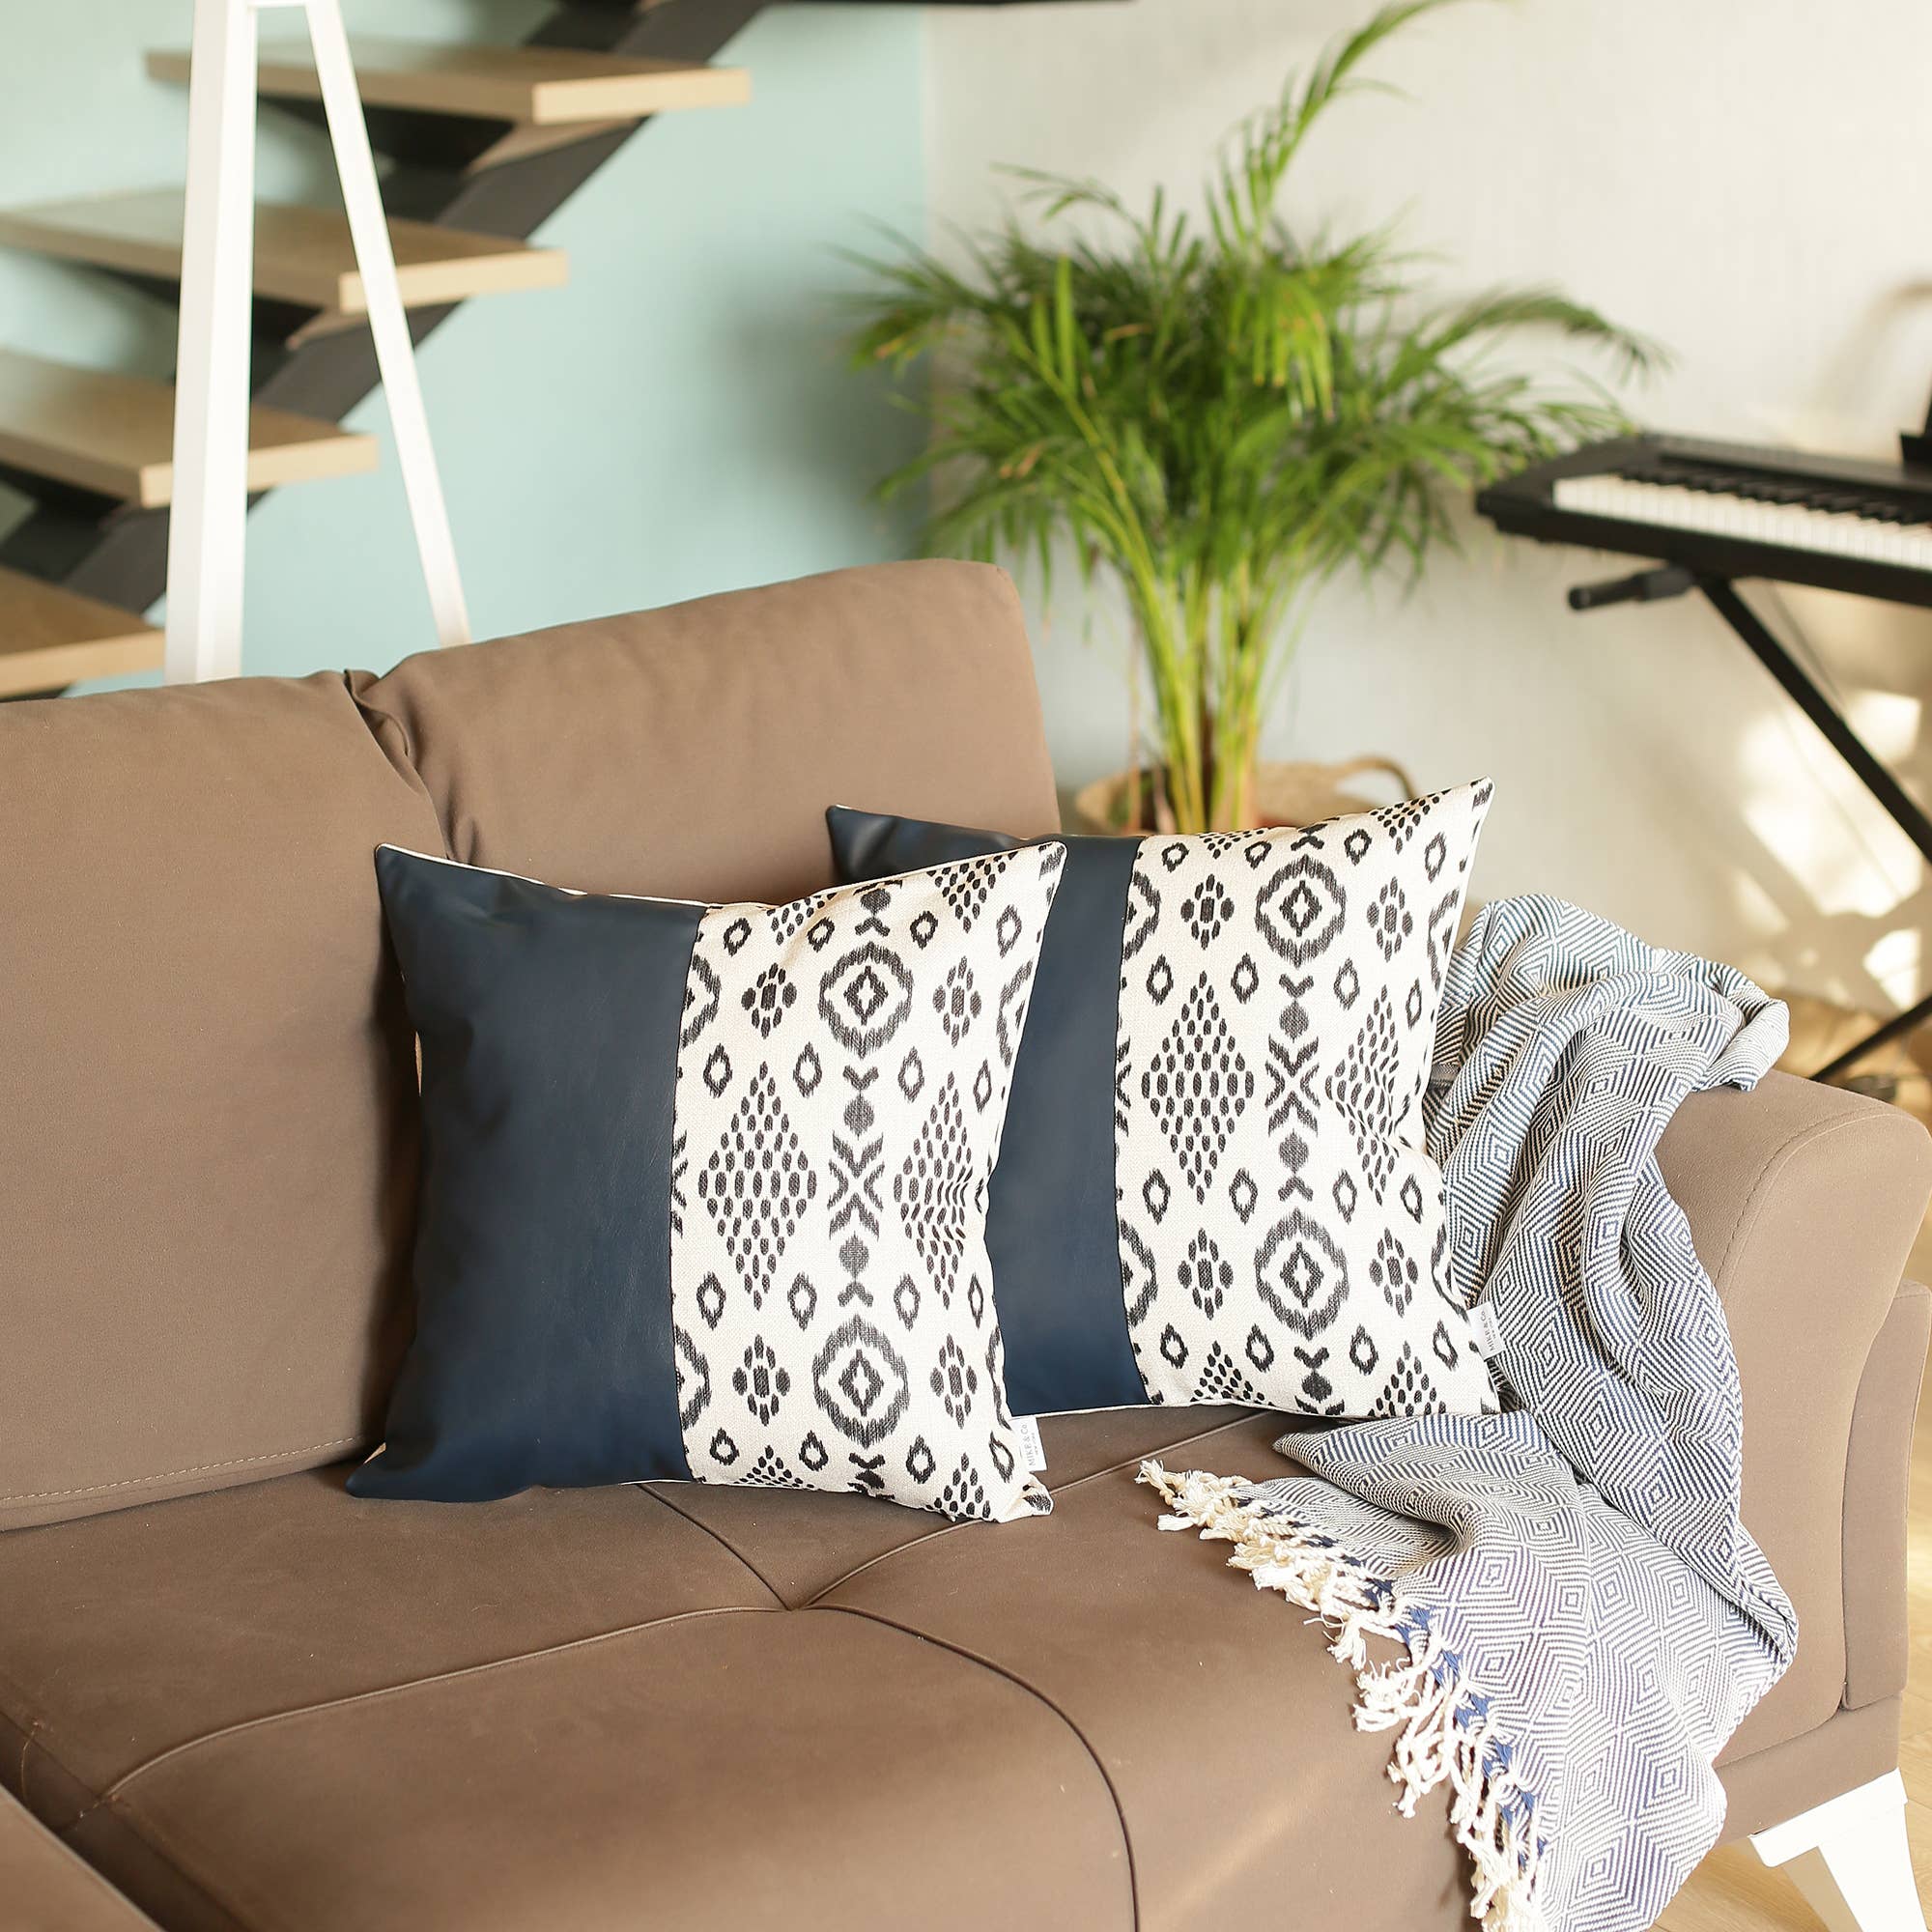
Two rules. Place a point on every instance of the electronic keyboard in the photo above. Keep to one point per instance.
(1722, 510)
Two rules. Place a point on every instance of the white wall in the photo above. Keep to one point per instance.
(1750, 181)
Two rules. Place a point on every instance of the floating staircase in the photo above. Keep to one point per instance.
(114, 435)
(545, 87)
(484, 145)
(50, 637)
(303, 256)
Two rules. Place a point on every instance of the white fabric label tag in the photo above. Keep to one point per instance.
(1030, 1446)
(1482, 1319)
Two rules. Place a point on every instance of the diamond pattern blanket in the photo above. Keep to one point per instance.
(1582, 1618)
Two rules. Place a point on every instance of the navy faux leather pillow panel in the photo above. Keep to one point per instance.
(549, 1025)
(1051, 1230)
(706, 1187)
(1215, 1186)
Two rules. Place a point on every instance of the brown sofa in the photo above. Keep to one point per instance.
(245, 1700)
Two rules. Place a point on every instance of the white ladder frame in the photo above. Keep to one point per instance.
(207, 531)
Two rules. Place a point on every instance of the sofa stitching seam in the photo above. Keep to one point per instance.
(697, 1523)
(34, 1739)
(113, 1796)
(168, 1475)
(113, 1793)
(1041, 1697)
(816, 1599)
(173, 1846)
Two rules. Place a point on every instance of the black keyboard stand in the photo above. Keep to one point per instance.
(1801, 688)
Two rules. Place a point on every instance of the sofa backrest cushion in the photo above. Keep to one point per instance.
(690, 753)
(207, 1108)
(208, 1153)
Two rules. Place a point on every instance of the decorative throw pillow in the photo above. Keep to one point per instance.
(1215, 1188)
(705, 1188)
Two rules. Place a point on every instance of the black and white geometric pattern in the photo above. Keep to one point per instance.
(841, 1088)
(1281, 1223)
(1579, 1561)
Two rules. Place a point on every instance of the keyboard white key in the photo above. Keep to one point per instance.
(1789, 526)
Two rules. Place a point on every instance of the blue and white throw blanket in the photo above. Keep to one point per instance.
(1583, 1619)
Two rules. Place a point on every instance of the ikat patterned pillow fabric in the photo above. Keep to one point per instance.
(706, 1187)
(1215, 1188)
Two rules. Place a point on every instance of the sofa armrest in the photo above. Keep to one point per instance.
(47, 1889)
(1878, 1480)
(1803, 1201)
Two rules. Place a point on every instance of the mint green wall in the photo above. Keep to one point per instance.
(676, 420)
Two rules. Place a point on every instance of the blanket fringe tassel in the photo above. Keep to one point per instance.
(1445, 1733)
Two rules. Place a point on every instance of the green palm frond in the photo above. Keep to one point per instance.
(1220, 414)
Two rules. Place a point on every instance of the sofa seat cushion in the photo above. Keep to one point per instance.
(276, 1707)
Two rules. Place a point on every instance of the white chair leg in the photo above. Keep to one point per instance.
(1850, 1860)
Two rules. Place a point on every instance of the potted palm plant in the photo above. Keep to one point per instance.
(1219, 413)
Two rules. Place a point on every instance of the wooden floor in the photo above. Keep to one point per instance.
(1731, 1892)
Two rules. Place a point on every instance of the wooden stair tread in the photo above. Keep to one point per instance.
(543, 86)
(100, 429)
(302, 255)
(50, 637)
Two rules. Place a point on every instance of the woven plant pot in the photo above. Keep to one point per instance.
(1285, 794)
